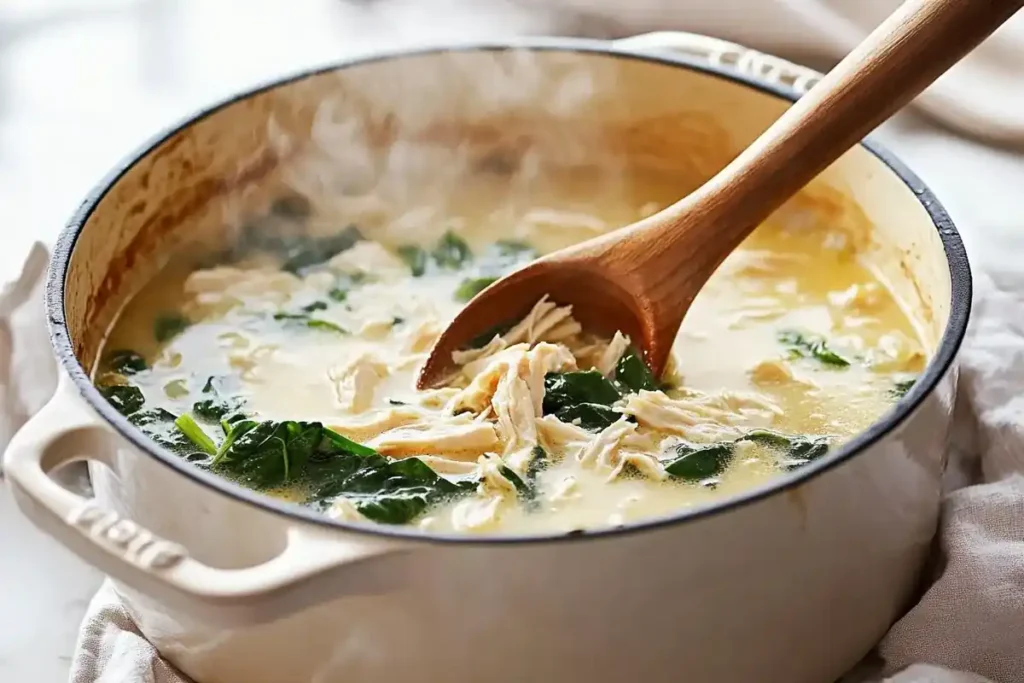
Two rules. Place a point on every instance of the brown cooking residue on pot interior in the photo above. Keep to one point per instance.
(290, 366)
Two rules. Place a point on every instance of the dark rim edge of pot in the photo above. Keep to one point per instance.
(956, 326)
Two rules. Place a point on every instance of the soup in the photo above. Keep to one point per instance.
(287, 362)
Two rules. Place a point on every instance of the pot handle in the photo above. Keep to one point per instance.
(722, 53)
(315, 565)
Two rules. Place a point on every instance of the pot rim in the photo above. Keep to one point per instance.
(943, 360)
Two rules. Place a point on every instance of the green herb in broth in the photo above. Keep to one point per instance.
(125, 362)
(124, 397)
(701, 463)
(796, 450)
(802, 345)
(563, 389)
(160, 426)
(415, 257)
(191, 429)
(216, 407)
(470, 287)
(590, 416)
(308, 321)
(632, 373)
(451, 252)
(901, 387)
(383, 490)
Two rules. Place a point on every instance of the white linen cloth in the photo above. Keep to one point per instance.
(968, 626)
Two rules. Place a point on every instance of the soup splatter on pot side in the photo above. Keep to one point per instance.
(289, 366)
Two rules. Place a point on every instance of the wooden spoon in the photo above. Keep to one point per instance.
(641, 279)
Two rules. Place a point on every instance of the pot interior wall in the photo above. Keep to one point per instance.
(374, 131)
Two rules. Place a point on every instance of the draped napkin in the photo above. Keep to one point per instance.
(968, 625)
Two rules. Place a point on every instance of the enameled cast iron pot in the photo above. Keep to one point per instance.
(792, 582)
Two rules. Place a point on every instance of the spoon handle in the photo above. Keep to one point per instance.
(897, 61)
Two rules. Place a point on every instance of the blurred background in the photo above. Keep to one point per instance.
(84, 82)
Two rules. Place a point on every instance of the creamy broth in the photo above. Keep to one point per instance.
(795, 334)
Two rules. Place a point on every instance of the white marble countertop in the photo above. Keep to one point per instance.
(75, 98)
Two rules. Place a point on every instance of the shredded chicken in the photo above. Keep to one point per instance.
(372, 424)
(775, 372)
(546, 321)
(612, 353)
(701, 417)
(356, 380)
(370, 258)
(896, 352)
(215, 291)
(458, 440)
(859, 298)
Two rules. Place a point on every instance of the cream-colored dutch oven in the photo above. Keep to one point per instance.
(793, 582)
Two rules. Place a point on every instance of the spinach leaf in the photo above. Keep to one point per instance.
(267, 454)
(801, 345)
(158, 424)
(215, 409)
(522, 489)
(581, 398)
(538, 464)
(217, 406)
(562, 389)
(472, 286)
(125, 362)
(633, 374)
(383, 490)
(292, 206)
(316, 324)
(451, 252)
(124, 397)
(503, 257)
(590, 416)
(338, 294)
(195, 434)
(312, 251)
(342, 444)
(169, 325)
(796, 450)
(310, 322)
(900, 388)
(414, 257)
(315, 306)
(698, 464)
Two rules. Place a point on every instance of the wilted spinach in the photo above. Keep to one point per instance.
(900, 388)
(266, 454)
(563, 389)
(802, 345)
(414, 257)
(125, 362)
(216, 406)
(312, 251)
(694, 463)
(590, 416)
(307, 320)
(796, 449)
(633, 374)
(472, 286)
(124, 397)
(451, 252)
